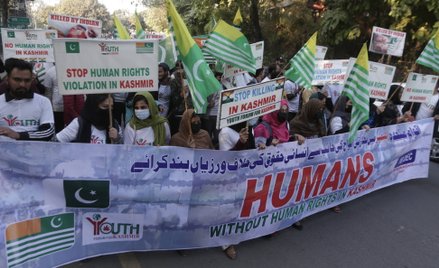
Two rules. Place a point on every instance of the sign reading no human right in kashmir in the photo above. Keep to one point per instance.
(419, 87)
(100, 66)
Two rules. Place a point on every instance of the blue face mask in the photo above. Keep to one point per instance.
(142, 114)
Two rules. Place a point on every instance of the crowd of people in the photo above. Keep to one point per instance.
(32, 109)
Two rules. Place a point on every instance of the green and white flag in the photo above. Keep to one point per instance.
(356, 89)
(303, 64)
(202, 82)
(430, 56)
(228, 44)
(87, 193)
(140, 33)
(167, 51)
(34, 238)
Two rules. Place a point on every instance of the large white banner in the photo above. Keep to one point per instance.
(85, 200)
(75, 27)
(28, 45)
(241, 104)
(385, 41)
(419, 87)
(106, 66)
(380, 78)
(330, 71)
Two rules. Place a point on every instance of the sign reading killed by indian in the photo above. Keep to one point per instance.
(75, 27)
(90, 66)
(28, 45)
(419, 87)
(385, 41)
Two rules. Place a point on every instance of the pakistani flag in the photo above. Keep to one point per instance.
(303, 64)
(34, 238)
(430, 56)
(140, 33)
(167, 51)
(356, 89)
(228, 44)
(122, 33)
(87, 193)
(202, 82)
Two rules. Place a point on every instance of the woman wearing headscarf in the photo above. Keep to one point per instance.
(190, 134)
(339, 122)
(390, 112)
(146, 127)
(93, 124)
(309, 122)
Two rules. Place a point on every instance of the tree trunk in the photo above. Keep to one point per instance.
(5, 8)
(254, 17)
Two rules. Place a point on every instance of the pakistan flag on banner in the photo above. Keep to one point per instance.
(87, 193)
(34, 238)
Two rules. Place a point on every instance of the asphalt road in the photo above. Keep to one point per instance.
(394, 227)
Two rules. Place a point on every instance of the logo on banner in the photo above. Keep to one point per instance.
(72, 47)
(50, 35)
(407, 158)
(111, 227)
(87, 193)
(145, 47)
(108, 49)
(34, 238)
(30, 36)
(11, 34)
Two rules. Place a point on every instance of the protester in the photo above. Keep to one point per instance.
(339, 122)
(389, 113)
(23, 114)
(309, 122)
(190, 134)
(180, 100)
(164, 90)
(292, 91)
(209, 120)
(50, 81)
(93, 124)
(146, 127)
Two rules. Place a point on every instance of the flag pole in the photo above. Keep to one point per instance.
(110, 116)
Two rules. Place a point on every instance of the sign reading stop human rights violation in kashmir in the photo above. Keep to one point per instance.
(241, 104)
(100, 66)
(28, 45)
(419, 87)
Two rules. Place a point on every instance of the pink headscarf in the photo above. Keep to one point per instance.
(279, 129)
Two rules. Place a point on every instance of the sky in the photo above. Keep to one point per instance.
(111, 5)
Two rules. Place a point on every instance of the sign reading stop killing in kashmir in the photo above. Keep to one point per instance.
(28, 45)
(241, 104)
(100, 66)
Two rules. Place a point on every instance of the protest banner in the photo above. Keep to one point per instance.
(231, 71)
(85, 200)
(330, 71)
(91, 66)
(28, 45)
(258, 53)
(321, 52)
(419, 87)
(385, 41)
(75, 27)
(241, 104)
(380, 78)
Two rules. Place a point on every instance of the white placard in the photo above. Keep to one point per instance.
(419, 87)
(330, 71)
(385, 41)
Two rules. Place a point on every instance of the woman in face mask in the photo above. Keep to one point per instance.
(93, 124)
(190, 134)
(274, 128)
(146, 127)
(339, 122)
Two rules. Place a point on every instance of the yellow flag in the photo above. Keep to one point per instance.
(121, 31)
(238, 18)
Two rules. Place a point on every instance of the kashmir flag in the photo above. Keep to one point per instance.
(238, 18)
(430, 56)
(228, 44)
(121, 31)
(356, 89)
(87, 193)
(167, 51)
(34, 238)
(202, 82)
(303, 64)
(140, 33)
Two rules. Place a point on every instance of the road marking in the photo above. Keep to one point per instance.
(128, 260)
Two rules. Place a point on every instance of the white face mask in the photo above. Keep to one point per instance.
(142, 114)
(253, 122)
